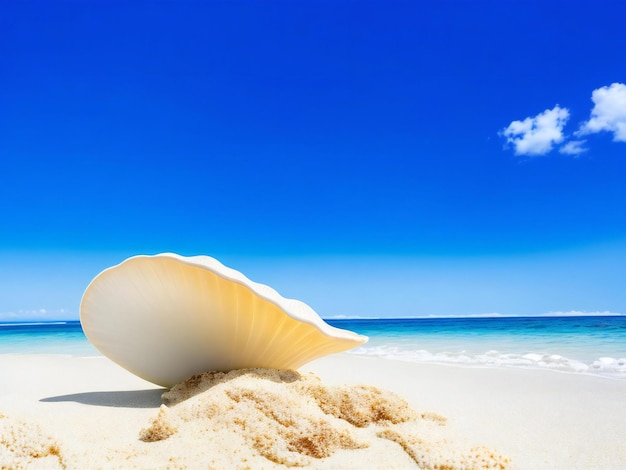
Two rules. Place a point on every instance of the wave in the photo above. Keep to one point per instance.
(604, 366)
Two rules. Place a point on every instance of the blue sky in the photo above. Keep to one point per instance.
(369, 158)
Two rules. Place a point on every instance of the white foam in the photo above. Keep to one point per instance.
(604, 366)
(609, 364)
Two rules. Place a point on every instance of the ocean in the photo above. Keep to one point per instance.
(585, 345)
(593, 345)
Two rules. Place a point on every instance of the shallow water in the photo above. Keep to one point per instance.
(65, 338)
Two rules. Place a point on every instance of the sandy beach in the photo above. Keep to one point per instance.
(68, 412)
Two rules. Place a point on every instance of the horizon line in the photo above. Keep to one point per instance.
(572, 314)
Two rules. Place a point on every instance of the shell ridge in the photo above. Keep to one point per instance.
(165, 317)
(269, 294)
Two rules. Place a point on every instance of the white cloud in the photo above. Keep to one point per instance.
(608, 113)
(537, 135)
(576, 313)
(573, 147)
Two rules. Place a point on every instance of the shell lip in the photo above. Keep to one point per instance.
(304, 312)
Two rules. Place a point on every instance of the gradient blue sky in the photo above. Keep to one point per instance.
(370, 158)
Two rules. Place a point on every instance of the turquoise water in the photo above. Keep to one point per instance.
(594, 344)
(65, 338)
(589, 345)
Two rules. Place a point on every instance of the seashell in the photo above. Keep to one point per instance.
(167, 317)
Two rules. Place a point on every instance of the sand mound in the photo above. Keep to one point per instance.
(258, 418)
(24, 446)
(255, 418)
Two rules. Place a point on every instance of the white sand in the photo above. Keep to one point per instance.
(90, 413)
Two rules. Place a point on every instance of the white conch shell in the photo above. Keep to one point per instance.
(167, 317)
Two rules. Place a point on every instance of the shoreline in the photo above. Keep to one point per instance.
(462, 365)
(536, 418)
(450, 364)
